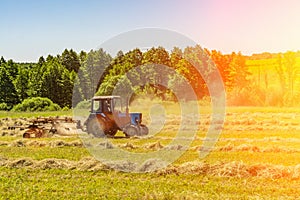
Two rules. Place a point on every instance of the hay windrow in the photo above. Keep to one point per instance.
(105, 145)
(253, 148)
(177, 147)
(235, 169)
(128, 145)
(90, 164)
(154, 146)
(52, 163)
(222, 169)
(151, 165)
(3, 143)
(41, 143)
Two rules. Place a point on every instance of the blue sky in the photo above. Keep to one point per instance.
(32, 28)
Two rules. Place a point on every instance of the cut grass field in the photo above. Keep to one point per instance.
(257, 156)
(69, 184)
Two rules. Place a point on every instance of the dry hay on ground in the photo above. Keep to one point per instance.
(229, 169)
(61, 143)
(235, 169)
(176, 147)
(38, 143)
(265, 139)
(151, 165)
(154, 146)
(128, 145)
(85, 164)
(253, 148)
(105, 145)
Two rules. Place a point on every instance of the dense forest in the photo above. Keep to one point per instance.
(259, 80)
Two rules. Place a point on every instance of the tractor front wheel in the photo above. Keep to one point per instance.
(131, 131)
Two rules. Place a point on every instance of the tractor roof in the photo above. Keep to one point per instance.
(105, 97)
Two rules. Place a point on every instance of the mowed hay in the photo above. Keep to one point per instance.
(3, 143)
(61, 143)
(18, 143)
(151, 165)
(235, 169)
(177, 147)
(85, 164)
(36, 143)
(123, 165)
(90, 164)
(65, 129)
(243, 147)
(253, 148)
(128, 145)
(154, 146)
(19, 163)
(229, 169)
(53, 163)
(105, 145)
(40, 143)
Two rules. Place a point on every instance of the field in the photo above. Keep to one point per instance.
(257, 156)
(264, 72)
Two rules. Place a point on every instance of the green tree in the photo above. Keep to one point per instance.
(21, 82)
(11, 68)
(222, 62)
(8, 94)
(2, 60)
(41, 61)
(57, 83)
(289, 77)
(82, 57)
(238, 75)
(93, 69)
(70, 60)
(119, 67)
(36, 74)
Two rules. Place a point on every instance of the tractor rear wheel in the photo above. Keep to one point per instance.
(131, 131)
(94, 127)
(112, 132)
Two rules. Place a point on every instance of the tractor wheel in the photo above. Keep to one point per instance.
(94, 127)
(144, 130)
(131, 131)
(26, 135)
(111, 133)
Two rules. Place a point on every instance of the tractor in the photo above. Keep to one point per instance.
(107, 117)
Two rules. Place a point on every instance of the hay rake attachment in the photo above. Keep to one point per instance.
(46, 126)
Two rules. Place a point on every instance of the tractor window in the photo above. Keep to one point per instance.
(97, 107)
(118, 105)
(107, 106)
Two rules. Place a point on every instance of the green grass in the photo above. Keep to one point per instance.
(39, 153)
(11, 114)
(72, 184)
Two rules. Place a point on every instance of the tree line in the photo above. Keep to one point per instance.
(71, 77)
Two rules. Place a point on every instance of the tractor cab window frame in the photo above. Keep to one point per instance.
(117, 105)
(97, 106)
(107, 105)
